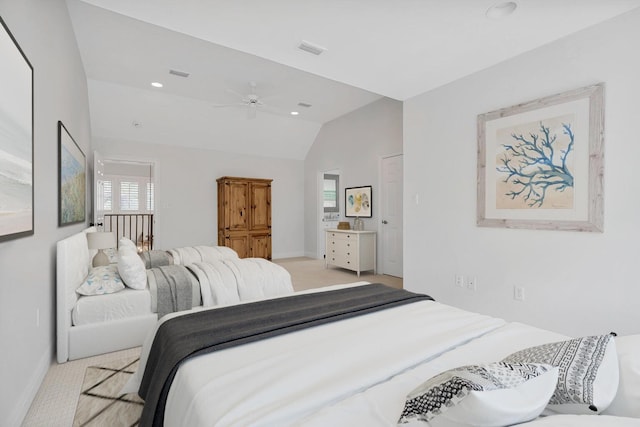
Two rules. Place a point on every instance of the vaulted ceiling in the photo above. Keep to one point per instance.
(371, 49)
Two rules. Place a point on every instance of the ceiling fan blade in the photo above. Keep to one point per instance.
(237, 104)
(238, 94)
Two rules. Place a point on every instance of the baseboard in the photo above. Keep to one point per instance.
(287, 255)
(33, 385)
(313, 255)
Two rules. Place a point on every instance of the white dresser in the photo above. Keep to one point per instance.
(350, 249)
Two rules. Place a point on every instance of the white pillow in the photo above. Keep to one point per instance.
(495, 394)
(127, 243)
(627, 400)
(131, 268)
(588, 375)
(101, 280)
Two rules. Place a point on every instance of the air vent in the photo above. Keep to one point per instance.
(304, 104)
(311, 48)
(179, 73)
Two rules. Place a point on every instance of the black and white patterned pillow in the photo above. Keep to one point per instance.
(587, 376)
(495, 388)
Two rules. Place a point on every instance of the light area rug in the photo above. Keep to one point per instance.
(100, 403)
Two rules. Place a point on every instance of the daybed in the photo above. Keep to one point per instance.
(97, 324)
(361, 363)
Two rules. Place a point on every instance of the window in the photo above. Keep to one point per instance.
(330, 193)
(107, 196)
(150, 200)
(126, 194)
(129, 196)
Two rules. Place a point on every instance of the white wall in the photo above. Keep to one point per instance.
(27, 265)
(186, 192)
(353, 144)
(575, 283)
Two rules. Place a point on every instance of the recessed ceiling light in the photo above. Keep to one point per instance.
(157, 84)
(294, 113)
(501, 10)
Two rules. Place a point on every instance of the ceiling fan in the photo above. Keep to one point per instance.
(251, 101)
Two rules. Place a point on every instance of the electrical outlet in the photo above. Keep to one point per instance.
(460, 280)
(518, 293)
(472, 284)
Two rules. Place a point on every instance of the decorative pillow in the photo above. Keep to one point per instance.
(127, 243)
(627, 400)
(588, 372)
(495, 394)
(101, 280)
(131, 268)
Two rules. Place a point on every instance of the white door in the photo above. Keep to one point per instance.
(391, 198)
(98, 186)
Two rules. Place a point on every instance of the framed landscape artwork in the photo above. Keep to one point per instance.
(16, 139)
(358, 202)
(540, 164)
(71, 179)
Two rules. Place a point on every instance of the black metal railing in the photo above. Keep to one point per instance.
(136, 227)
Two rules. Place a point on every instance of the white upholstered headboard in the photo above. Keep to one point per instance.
(73, 260)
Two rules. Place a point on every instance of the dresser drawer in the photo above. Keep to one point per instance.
(342, 236)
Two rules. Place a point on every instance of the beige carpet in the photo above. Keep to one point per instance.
(100, 403)
(309, 273)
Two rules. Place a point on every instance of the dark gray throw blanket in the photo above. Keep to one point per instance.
(206, 331)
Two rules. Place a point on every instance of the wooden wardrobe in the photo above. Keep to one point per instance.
(244, 216)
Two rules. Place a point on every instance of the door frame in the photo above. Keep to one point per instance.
(320, 208)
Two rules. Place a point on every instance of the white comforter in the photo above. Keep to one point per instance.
(229, 281)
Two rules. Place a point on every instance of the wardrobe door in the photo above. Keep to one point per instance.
(260, 218)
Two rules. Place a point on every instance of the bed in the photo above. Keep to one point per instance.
(365, 369)
(123, 317)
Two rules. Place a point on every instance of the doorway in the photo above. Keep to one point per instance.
(329, 204)
(125, 199)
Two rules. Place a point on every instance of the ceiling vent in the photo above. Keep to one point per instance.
(311, 48)
(304, 104)
(179, 73)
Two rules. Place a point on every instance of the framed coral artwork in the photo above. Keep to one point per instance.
(540, 164)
